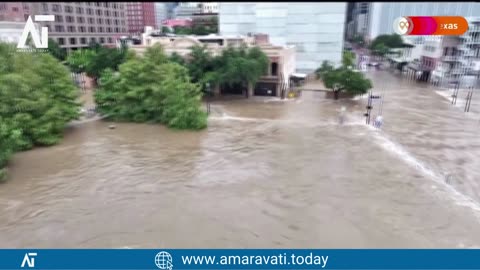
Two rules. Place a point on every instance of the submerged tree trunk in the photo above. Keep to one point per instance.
(336, 94)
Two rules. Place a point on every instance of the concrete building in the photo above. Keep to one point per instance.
(14, 11)
(381, 15)
(281, 66)
(79, 23)
(209, 7)
(315, 29)
(139, 15)
(186, 10)
(161, 13)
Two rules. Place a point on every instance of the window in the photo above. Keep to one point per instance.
(115, 14)
(79, 10)
(117, 30)
(107, 13)
(68, 9)
(100, 29)
(69, 19)
(110, 40)
(81, 29)
(61, 41)
(89, 3)
(25, 6)
(59, 28)
(105, 4)
(80, 19)
(25, 16)
(93, 40)
(97, 4)
(89, 11)
(91, 29)
(3, 6)
(109, 29)
(99, 20)
(108, 21)
(116, 22)
(102, 40)
(15, 9)
(71, 29)
(274, 67)
(98, 12)
(91, 20)
(45, 6)
(73, 41)
(83, 40)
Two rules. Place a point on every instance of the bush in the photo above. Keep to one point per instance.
(37, 100)
(151, 89)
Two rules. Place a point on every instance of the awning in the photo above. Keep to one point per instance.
(299, 75)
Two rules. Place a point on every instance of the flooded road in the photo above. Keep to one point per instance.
(265, 174)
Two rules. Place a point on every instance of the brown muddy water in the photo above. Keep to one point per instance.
(265, 174)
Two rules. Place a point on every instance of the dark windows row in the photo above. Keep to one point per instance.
(84, 29)
(81, 10)
(91, 20)
(83, 40)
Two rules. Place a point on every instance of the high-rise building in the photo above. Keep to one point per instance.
(79, 23)
(315, 29)
(186, 10)
(209, 7)
(139, 15)
(161, 13)
(14, 11)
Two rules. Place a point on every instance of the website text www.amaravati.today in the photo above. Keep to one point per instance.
(281, 259)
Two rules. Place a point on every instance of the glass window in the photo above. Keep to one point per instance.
(59, 28)
(91, 20)
(89, 11)
(73, 41)
(102, 40)
(100, 29)
(68, 9)
(83, 40)
(45, 6)
(15, 9)
(61, 41)
(93, 40)
(79, 10)
(110, 40)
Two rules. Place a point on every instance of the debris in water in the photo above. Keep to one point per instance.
(112, 127)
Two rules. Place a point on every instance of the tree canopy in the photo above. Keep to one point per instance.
(390, 41)
(37, 100)
(343, 79)
(151, 89)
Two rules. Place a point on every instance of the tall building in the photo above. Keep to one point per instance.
(315, 29)
(161, 13)
(79, 23)
(186, 10)
(381, 15)
(14, 11)
(209, 7)
(139, 15)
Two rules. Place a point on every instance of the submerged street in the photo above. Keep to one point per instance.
(265, 173)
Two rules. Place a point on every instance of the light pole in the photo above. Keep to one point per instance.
(207, 86)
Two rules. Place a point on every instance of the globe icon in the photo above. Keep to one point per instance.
(163, 260)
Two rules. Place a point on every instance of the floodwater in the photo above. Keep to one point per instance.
(265, 174)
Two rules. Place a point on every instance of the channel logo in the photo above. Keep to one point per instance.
(403, 26)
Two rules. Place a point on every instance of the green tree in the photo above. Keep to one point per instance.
(242, 65)
(348, 59)
(166, 29)
(381, 50)
(56, 50)
(343, 79)
(390, 41)
(79, 60)
(176, 58)
(151, 89)
(181, 30)
(37, 100)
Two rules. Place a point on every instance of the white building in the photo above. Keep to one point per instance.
(210, 7)
(315, 29)
(185, 10)
(161, 13)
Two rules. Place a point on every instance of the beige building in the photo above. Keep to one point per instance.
(79, 23)
(280, 69)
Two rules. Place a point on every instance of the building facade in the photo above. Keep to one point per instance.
(209, 7)
(315, 29)
(186, 10)
(79, 23)
(14, 11)
(139, 15)
(281, 59)
(161, 13)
